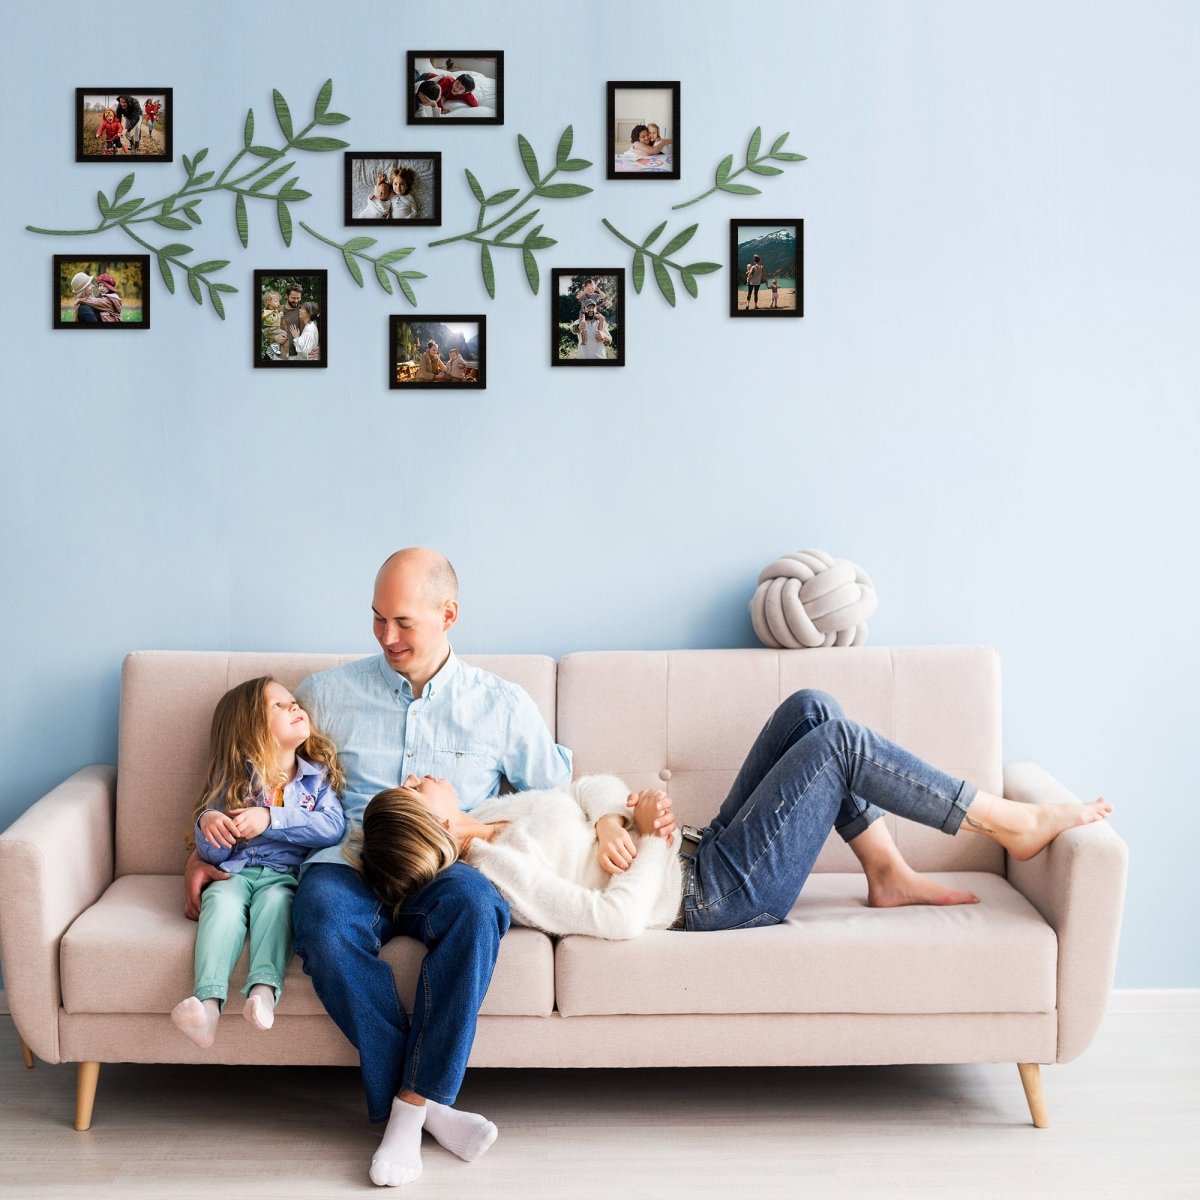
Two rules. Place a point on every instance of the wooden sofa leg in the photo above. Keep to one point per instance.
(1031, 1081)
(26, 1053)
(85, 1093)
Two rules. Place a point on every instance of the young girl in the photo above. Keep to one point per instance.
(113, 133)
(272, 317)
(263, 807)
(150, 110)
(653, 141)
(775, 292)
(404, 204)
(456, 366)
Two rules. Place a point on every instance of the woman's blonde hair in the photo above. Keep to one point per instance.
(401, 846)
(241, 752)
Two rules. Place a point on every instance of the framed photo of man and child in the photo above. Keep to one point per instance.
(383, 187)
(123, 123)
(587, 317)
(766, 268)
(101, 293)
(290, 319)
(643, 130)
(466, 86)
(438, 351)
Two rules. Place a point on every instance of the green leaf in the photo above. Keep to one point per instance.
(788, 156)
(655, 235)
(270, 177)
(242, 219)
(396, 255)
(500, 197)
(539, 243)
(702, 268)
(664, 283)
(126, 210)
(333, 119)
(763, 169)
(564, 149)
(283, 114)
(778, 142)
(202, 179)
(323, 98)
(103, 205)
(574, 164)
(489, 274)
(294, 193)
(741, 189)
(285, 221)
(193, 215)
(200, 156)
(409, 294)
(639, 271)
(175, 250)
(194, 287)
(562, 191)
(723, 169)
(531, 271)
(165, 268)
(755, 145)
(476, 190)
(354, 268)
(214, 298)
(678, 241)
(168, 204)
(318, 144)
(122, 188)
(529, 159)
(207, 268)
(385, 280)
(187, 166)
(518, 224)
(248, 132)
(358, 243)
(412, 274)
(265, 151)
(222, 287)
(689, 282)
(171, 223)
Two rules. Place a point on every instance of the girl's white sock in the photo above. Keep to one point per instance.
(466, 1134)
(259, 1008)
(398, 1159)
(197, 1019)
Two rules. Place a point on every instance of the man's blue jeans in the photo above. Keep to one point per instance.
(811, 770)
(340, 927)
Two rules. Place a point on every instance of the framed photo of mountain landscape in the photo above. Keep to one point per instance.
(766, 268)
(437, 351)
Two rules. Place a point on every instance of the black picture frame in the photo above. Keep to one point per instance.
(62, 293)
(567, 305)
(314, 286)
(792, 298)
(386, 161)
(405, 331)
(459, 58)
(614, 131)
(87, 122)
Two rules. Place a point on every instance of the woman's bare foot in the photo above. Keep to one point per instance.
(898, 884)
(1027, 829)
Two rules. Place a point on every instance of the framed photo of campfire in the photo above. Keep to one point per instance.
(135, 123)
(437, 351)
(102, 292)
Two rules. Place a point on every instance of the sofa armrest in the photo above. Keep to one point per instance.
(56, 860)
(1078, 884)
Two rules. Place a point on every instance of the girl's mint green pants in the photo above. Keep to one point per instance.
(261, 898)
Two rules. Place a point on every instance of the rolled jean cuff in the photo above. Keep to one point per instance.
(434, 1094)
(854, 827)
(958, 808)
(272, 981)
(212, 991)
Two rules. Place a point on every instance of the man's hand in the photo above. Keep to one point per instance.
(652, 813)
(250, 822)
(197, 874)
(616, 850)
(218, 828)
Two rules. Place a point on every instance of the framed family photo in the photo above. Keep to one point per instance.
(445, 352)
(643, 130)
(135, 123)
(385, 187)
(466, 86)
(766, 268)
(290, 319)
(102, 293)
(587, 317)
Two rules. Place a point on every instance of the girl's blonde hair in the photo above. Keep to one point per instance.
(401, 846)
(270, 296)
(241, 752)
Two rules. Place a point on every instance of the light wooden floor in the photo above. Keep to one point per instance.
(1125, 1124)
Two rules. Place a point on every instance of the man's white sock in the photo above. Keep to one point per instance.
(197, 1019)
(398, 1159)
(259, 1009)
(466, 1134)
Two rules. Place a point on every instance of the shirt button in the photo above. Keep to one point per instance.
(664, 774)
(410, 754)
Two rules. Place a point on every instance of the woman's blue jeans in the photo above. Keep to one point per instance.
(340, 927)
(811, 770)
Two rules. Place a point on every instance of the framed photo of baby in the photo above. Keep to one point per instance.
(385, 188)
(766, 268)
(438, 351)
(464, 86)
(643, 130)
(102, 293)
(290, 319)
(587, 317)
(123, 123)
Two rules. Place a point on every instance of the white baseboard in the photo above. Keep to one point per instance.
(1140, 1000)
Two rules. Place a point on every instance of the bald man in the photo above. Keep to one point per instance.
(415, 709)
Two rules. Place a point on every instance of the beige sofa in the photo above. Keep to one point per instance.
(96, 951)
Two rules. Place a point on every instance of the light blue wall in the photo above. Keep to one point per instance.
(991, 404)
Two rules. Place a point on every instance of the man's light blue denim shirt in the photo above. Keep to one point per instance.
(468, 726)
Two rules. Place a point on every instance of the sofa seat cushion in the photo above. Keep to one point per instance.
(132, 952)
(832, 955)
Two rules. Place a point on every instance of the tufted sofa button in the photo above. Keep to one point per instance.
(664, 774)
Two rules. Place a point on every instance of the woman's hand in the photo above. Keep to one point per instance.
(616, 850)
(218, 828)
(250, 822)
(652, 813)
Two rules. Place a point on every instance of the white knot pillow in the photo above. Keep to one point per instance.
(810, 599)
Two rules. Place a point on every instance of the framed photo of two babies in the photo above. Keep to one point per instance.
(392, 187)
(643, 130)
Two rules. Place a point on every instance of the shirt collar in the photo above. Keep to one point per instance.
(395, 680)
(304, 767)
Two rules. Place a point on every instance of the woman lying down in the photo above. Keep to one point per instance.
(593, 859)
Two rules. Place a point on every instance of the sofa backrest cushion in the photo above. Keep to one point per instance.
(683, 721)
(167, 700)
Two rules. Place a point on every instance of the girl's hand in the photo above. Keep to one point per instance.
(652, 813)
(250, 822)
(219, 829)
(616, 850)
